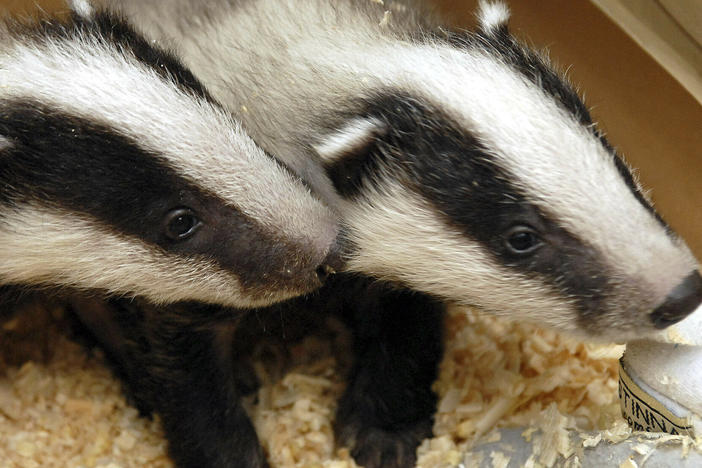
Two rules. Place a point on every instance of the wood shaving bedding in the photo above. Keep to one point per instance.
(60, 405)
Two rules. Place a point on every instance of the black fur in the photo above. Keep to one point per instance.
(188, 363)
(177, 362)
(349, 172)
(388, 407)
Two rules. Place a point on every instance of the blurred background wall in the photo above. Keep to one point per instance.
(653, 120)
(24, 6)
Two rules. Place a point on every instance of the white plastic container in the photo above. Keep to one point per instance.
(660, 380)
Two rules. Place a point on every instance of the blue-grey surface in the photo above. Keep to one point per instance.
(603, 455)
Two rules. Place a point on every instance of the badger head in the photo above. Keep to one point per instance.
(472, 171)
(120, 173)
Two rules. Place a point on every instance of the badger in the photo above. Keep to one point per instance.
(123, 181)
(467, 168)
(464, 168)
(120, 173)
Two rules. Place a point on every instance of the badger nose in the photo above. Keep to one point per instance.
(332, 263)
(323, 271)
(684, 298)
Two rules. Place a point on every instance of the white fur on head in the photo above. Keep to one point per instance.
(351, 137)
(492, 15)
(82, 8)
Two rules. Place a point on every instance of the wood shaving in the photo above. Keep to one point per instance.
(641, 449)
(554, 439)
(628, 463)
(385, 20)
(62, 406)
(591, 441)
(499, 460)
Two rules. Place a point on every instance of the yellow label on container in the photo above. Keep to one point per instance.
(643, 412)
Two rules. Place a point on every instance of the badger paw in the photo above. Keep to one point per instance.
(373, 447)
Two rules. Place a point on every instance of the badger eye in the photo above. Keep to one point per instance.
(521, 240)
(181, 223)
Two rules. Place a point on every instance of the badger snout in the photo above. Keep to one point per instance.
(310, 272)
(681, 301)
(332, 263)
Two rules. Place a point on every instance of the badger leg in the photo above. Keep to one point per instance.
(388, 407)
(177, 362)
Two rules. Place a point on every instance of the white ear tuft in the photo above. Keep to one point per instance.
(82, 8)
(492, 15)
(356, 134)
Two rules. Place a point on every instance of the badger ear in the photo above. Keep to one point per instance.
(353, 137)
(82, 8)
(346, 151)
(493, 16)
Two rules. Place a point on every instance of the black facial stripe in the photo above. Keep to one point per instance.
(82, 166)
(533, 67)
(530, 65)
(429, 154)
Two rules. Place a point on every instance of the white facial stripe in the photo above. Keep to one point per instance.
(492, 15)
(40, 245)
(200, 141)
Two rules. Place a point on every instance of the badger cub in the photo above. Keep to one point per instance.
(120, 173)
(121, 176)
(464, 167)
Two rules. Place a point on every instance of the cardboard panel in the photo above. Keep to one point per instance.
(667, 38)
(30, 6)
(688, 14)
